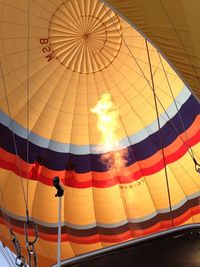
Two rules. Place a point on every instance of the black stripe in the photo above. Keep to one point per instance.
(115, 230)
(90, 162)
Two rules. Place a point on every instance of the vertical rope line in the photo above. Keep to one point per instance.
(28, 94)
(183, 126)
(160, 136)
(13, 135)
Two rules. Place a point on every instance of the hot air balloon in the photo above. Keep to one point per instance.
(87, 98)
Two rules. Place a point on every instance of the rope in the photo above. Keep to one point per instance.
(6, 217)
(13, 135)
(32, 256)
(190, 150)
(28, 111)
(159, 127)
(183, 126)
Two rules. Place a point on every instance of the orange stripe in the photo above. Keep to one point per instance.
(144, 167)
(114, 238)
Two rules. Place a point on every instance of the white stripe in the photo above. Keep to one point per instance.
(102, 225)
(94, 149)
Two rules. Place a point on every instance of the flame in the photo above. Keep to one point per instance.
(108, 123)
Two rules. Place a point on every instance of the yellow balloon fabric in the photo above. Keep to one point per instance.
(58, 59)
(174, 27)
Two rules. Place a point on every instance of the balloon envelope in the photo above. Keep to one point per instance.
(58, 58)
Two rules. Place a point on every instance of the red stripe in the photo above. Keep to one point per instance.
(141, 168)
(130, 234)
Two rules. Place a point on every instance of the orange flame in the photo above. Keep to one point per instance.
(108, 123)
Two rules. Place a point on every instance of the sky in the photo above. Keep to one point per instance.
(3, 262)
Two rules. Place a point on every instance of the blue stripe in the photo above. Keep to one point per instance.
(84, 163)
(92, 149)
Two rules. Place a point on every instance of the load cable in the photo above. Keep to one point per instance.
(13, 135)
(197, 165)
(30, 244)
(160, 135)
(13, 236)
